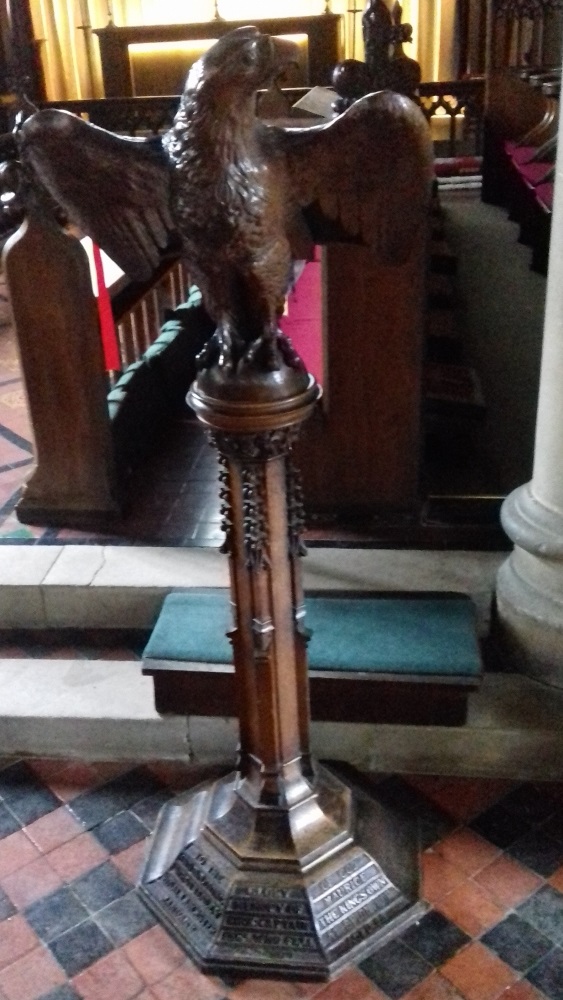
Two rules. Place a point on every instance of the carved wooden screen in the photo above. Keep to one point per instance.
(526, 32)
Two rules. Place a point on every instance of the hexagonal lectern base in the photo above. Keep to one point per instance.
(242, 901)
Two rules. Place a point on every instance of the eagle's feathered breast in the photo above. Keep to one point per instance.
(226, 199)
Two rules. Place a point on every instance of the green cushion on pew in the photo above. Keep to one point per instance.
(408, 634)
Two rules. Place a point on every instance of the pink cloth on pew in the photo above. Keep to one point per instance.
(523, 154)
(534, 173)
(303, 322)
(544, 195)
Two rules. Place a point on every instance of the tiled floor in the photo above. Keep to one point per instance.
(71, 924)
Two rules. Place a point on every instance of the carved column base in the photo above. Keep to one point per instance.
(296, 892)
(529, 593)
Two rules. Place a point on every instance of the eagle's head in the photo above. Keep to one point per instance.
(239, 64)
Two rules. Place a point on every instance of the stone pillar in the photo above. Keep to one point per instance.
(530, 582)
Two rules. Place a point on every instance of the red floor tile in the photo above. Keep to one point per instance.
(439, 877)
(32, 976)
(154, 955)
(186, 982)
(72, 779)
(130, 861)
(272, 989)
(57, 828)
(462, 798)
(77, 857)
(46, 767)
(434, 987)
(467, 850)
(31, 883)
(17, 939)
(522, 991)
(556, 879)
(507, 881)
(478, 974)
(15, 852)
(351, 985)
(111, 978)
(471, 908)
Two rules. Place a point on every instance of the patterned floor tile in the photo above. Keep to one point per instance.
(530, 802)
(523, 991)
(500, 826)
(439, 877)
(154, 955)
(493, 920)
(263, 989)
(556, 879)
(80, 947)
(471, 908)
(65, 992)
(69, 781)
(351, 985)
(129, 862)
(435, 938)
(110, 978)
(537, 851)
(30, 883)
(517, 943)
(468, 851)
(58, 912)
(395, 969)
(507, 882)
(100, 887)
(478, 974)
(31, 976)
(77, 857)
(462, 798)
(547, 975)
(120, 832)
(7, 908)
(54, 829)
(435, 987)
(125, 919)
(544, 911)
(17, 939)
(16, 852)
(8, 822)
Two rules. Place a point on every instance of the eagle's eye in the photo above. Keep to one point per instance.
(247, 59)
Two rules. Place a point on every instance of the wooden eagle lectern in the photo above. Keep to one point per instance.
(280, 868)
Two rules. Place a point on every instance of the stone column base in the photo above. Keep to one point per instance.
(530, 588)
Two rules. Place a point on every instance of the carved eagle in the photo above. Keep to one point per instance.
(245, 198)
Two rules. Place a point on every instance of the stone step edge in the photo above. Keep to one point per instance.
(96, 586)
(103, 710)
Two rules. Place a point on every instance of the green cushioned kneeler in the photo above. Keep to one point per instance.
(400, 657)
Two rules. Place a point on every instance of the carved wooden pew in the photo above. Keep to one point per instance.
(85, 440)
(355, 452)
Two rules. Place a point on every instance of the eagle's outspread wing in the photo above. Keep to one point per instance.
(368, 172)
(115, 189)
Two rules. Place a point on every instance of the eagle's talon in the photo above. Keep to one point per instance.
(263, 354)
(219, 351)
(289, 354)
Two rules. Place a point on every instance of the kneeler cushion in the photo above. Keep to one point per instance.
(412, 634)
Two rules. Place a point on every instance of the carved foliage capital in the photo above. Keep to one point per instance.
(257, 447)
